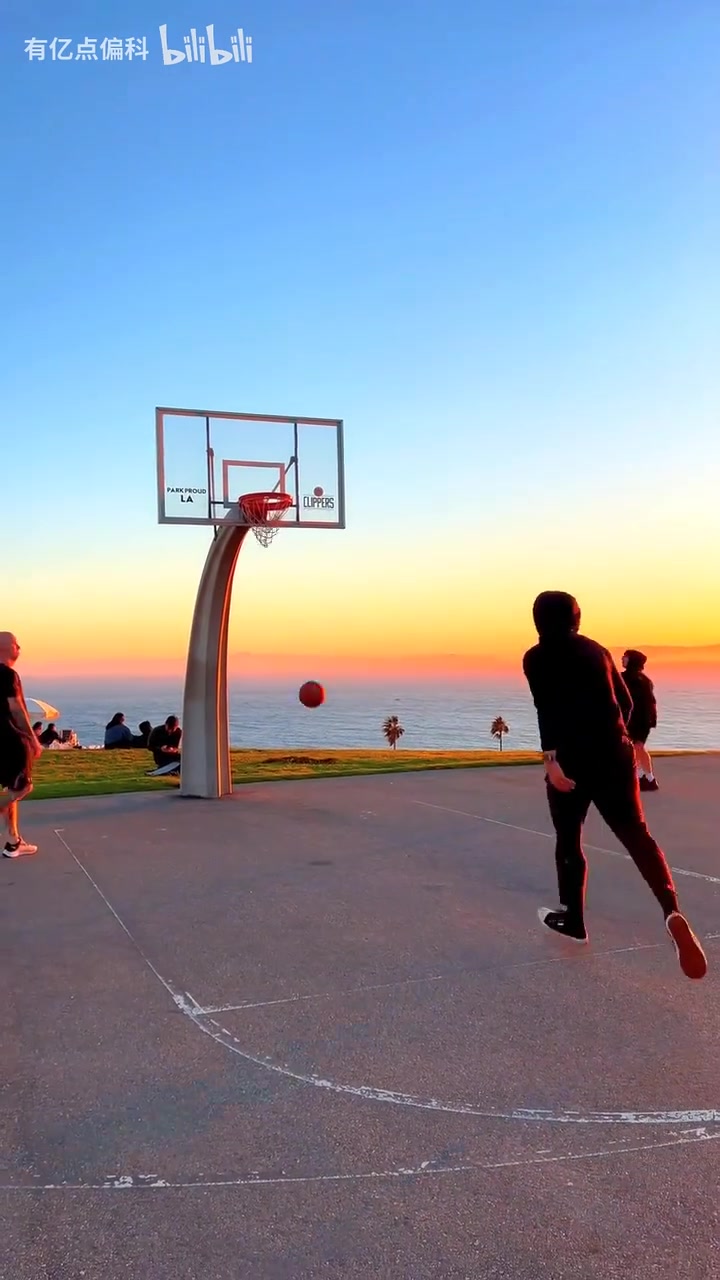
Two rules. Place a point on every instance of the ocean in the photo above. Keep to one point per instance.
(435, 715)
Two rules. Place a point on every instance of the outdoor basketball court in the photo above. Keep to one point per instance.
(315, 1030)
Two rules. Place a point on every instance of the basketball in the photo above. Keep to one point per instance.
(311, 694)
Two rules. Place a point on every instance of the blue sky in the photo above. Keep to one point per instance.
(486, 235)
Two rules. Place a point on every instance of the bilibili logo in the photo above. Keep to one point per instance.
(202, 48)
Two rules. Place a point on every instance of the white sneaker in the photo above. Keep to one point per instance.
(693, 960)
(18, 849)
(164, 769)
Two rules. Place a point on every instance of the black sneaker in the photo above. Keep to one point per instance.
(557, 922)
(648, 784)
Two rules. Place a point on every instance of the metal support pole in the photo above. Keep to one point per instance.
(296, 460)
(206, 730)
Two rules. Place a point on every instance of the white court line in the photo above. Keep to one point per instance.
(325, 995)
(150, 1182)
(113, 912)
(573, 958)
(369, 1093)
(530, 831)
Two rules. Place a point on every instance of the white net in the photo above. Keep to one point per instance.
(263, 512)
(265, 533)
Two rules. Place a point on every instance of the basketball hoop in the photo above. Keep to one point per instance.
(263, 512)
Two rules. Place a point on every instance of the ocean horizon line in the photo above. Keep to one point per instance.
(436, 714)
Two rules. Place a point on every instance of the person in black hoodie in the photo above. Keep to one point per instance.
(583, 708)
(164, 742)
(643, 717)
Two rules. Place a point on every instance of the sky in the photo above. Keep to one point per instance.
(486, 236)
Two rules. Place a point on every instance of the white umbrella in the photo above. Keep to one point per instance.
(46, 711)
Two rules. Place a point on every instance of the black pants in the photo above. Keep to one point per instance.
(610, 783)
(162, 757)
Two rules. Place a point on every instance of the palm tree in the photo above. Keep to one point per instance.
(498, 729)
(393, 730)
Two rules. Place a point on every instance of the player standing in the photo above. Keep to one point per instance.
(644, 714)
(19, 747)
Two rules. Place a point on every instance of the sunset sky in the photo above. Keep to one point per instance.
(485, 236)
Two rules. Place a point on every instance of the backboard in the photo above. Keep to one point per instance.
(207, 460)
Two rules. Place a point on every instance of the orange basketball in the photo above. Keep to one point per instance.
(311, 694)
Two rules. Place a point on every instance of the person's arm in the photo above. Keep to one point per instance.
(536, 676)
(651, 704)
(622, 693)
(535, 669)
(19, 713)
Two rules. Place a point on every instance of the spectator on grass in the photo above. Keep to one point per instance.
(117, 733)
(164, 742)
(48, 736)
(37, 729)
(142, 739)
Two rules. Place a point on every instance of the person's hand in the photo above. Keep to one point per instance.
(36, 747)
(557, 778)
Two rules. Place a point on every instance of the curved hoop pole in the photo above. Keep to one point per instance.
(206, 735)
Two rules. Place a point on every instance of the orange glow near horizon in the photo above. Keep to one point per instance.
(372, 610)
(686, 666)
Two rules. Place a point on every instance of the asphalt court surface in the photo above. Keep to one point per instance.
(316, 1030)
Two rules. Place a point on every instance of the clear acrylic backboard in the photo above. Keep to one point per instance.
(207, 460)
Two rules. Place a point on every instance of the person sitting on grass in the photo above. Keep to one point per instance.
(48, 736)
(117, 733)
(164, 742)
(142, 738)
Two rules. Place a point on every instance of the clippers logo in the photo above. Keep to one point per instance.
(318, 499)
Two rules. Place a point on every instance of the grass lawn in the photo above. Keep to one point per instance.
(96, 773)
(60, 774)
